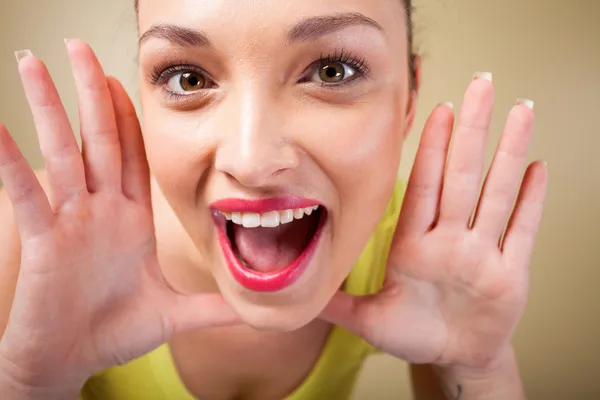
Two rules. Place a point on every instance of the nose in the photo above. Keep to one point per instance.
(254, 149)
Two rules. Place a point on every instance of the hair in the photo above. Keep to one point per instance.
(412, 56)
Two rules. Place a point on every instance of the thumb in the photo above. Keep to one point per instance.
(205, 310)
(354, 313)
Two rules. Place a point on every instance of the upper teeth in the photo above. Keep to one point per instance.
(269, 219)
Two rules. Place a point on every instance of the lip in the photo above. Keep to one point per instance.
(260, 281)
(263, 205)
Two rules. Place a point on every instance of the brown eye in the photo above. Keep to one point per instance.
(333, 72)
(187, 82)
(192, 81)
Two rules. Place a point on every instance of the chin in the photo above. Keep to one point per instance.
(282, 311)
(272, 318)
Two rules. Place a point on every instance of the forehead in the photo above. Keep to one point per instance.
(244, 19)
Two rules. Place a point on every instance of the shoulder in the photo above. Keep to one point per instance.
(10, 252)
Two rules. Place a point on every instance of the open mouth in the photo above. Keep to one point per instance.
(268, 251)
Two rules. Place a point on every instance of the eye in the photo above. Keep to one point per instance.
(336, 70)
(333, 72)
(186, 82)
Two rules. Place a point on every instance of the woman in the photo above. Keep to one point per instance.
(273, 131)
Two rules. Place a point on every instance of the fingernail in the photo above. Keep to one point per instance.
(483, 75)
(21, 54)
(525, 102)
(448, 104)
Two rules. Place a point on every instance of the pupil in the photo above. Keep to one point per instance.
(331, 72)
(193, 81)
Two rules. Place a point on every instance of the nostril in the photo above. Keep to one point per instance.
(229, 175)
(258, 166)
(279, 172)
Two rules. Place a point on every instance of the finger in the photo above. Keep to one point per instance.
(349, 312)
(503, 179)
(62, 157)
(32, 211)
(421, 200)
(465, 160)
(519, 240)
(136, 173)
(102, 156)
(187, 313)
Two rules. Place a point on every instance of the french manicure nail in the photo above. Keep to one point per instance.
(483, 75)
(21, 54)
(525, 102)
(448, 104)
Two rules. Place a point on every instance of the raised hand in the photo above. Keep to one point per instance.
(90, 292)
(456, 286)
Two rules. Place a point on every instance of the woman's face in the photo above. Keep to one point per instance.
(255, 113)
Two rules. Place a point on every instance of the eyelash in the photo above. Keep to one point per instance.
(160, 75)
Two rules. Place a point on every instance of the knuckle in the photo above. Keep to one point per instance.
(421, 189)
(62, 152)
(473, 128)
(10, 160)
(23, 195)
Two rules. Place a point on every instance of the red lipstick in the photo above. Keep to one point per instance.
(260, 281)
(262, 205)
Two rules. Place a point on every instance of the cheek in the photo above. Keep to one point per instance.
(176, 152)
(359, 148)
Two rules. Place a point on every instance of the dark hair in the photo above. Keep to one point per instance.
(412, 56)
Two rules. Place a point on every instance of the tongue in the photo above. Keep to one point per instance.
(269, 249)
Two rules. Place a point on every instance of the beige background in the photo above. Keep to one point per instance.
(547, 50)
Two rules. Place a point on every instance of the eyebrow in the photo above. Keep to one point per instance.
(179, 35)
(313, 28)
(309, 29)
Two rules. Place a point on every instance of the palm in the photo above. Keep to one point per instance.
(452, 305)
(454, 290)
(123, 273)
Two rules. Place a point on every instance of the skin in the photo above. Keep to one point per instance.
(156, 257)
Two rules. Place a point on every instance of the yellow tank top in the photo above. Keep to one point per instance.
(154, 376)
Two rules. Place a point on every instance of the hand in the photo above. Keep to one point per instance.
(90, 293)
(455, 291)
